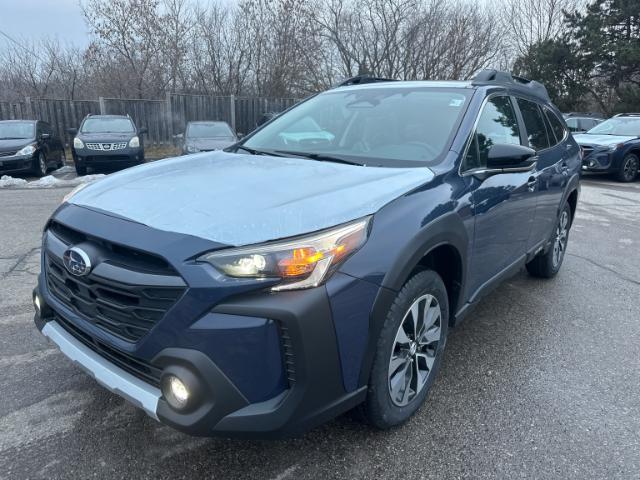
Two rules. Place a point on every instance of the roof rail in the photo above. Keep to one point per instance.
(628, 114)
(497, 77)
(362, 79)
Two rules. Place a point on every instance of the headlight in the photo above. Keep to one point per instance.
(301, 263)
(613, 148)
(192, 149)
(68, 196)
(134, 142)
(77, 143)
(28, 150)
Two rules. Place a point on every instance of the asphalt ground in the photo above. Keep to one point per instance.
(541, 381)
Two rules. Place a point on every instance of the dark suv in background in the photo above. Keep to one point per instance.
(29, 146)
(316, 265)
(107, 141)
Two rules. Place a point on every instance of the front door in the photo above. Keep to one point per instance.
(504, 203)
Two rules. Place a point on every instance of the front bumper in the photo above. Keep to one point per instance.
(125, 156)
(16, 164)
(269, 365)
(598, 160)
(106, 374)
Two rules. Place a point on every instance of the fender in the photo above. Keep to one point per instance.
(572, 185)
(446, 230)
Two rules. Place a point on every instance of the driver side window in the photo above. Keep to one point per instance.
(497, 124)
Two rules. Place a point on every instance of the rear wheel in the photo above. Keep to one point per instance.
(629, 168)
(547, 264)
(40, 165)
(409, 351)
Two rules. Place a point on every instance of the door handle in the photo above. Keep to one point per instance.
(531, 183)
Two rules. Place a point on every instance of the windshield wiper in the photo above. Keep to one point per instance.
(253, 151)
(320, 157)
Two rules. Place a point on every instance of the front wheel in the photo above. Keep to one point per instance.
(409, 351)
(629, 168)
(547, 263)
(40, 165)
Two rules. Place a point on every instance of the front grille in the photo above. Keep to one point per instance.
(287, 352)
(125, 310)
(106, 147)
(120, 255)
(108, 158)
(7, 154)
(136, 367)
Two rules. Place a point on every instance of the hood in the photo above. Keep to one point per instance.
(13, 145)
(210, 143)
(601, 140)
(238, 199)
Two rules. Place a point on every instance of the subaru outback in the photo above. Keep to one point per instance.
(268, 288)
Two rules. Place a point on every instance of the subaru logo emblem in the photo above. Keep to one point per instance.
(77, 262)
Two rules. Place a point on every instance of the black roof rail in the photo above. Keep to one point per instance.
(497, 77)
(362, 79)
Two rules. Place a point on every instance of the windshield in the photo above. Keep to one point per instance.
(627, 126)
(209, 130)
(107, 125)
(15, 130)
(384, 126)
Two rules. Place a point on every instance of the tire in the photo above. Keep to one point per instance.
(63, 159)
(547, 263)
(391, 399)
(629, 168)
(81, 170)
(40, 166)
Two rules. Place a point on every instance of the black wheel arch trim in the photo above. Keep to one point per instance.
(448, 230)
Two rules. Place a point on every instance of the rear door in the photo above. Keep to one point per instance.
(503, 204)
(550, 179)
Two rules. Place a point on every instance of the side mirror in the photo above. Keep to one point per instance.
(239, 135)
(179, 136)
(72, 131)
(142, 131)
(509, 156)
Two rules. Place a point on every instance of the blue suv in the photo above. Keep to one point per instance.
(318, 264)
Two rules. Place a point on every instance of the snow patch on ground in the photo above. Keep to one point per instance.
(65, 169)
(49, 181)
(7, 181)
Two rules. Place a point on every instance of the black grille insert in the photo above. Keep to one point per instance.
(136, 367)
(287, 351)
(127, 311)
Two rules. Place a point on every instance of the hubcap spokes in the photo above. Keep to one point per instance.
(414, 349)
(560, 242)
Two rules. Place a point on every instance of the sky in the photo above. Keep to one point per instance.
(34, 19)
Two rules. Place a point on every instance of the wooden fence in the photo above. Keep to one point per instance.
(163, 118)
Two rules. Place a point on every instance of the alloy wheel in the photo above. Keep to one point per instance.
(414, 350)
(630, 168)
(560, 241)
(42, 164)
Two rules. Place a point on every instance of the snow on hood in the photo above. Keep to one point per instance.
(239, 199)
(601, 140)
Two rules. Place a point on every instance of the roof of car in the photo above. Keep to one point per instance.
(92, 115)
(207, 121)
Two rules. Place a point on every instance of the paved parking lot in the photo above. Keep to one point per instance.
(541, 381)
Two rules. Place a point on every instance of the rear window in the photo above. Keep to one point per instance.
(534, 123)
(556, 125)
(107, 125)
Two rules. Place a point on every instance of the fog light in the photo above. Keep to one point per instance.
(36, 303)
(176, 392)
